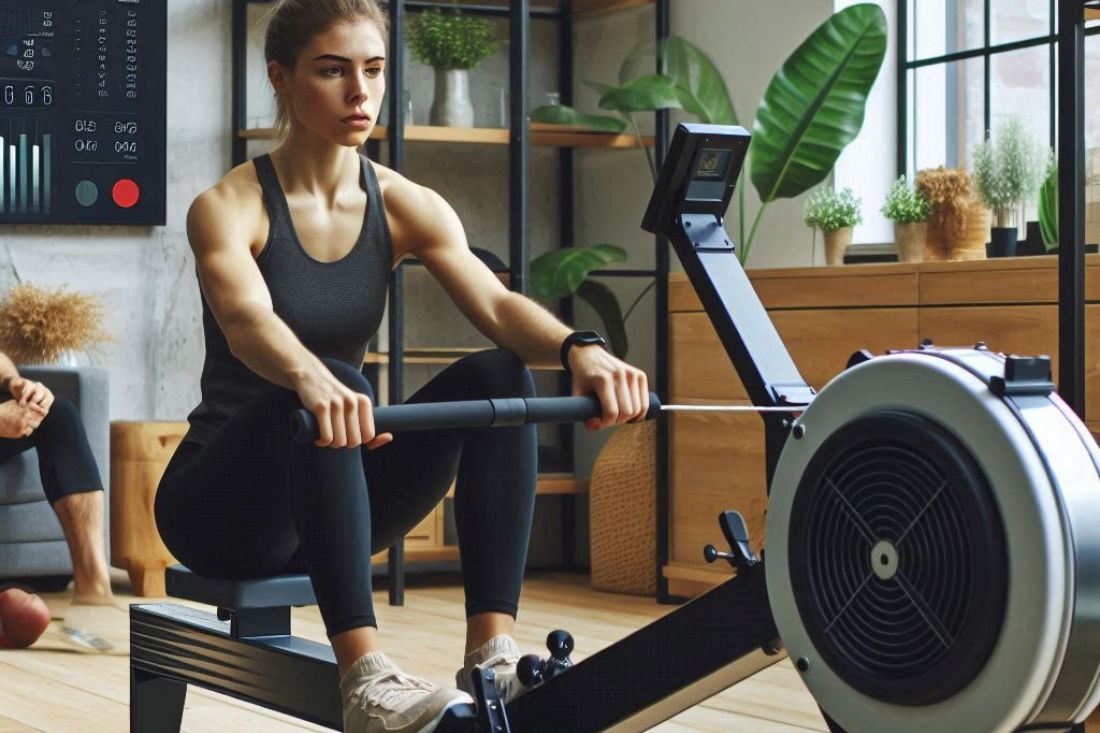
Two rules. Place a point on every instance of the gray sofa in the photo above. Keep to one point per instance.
(32, 544)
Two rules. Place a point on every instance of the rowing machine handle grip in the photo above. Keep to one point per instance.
(471, 414)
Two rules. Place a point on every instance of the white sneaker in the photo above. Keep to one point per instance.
(380, 698)
(501, 654)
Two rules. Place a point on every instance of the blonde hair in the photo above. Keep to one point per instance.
(291, 25)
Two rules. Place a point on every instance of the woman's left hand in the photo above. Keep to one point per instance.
(29, 392)
(623, 390)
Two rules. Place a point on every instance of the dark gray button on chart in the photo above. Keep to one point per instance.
(87, 193)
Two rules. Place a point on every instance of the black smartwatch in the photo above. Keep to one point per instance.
(579, 338)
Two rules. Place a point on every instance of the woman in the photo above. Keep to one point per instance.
(294, 252)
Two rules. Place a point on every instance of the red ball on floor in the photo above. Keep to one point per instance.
(23, 618)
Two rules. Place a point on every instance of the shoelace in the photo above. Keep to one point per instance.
(87, 639)
(379, 694)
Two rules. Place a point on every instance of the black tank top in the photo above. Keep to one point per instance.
(334, 308)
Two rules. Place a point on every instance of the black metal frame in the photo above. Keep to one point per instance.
(1067, 56)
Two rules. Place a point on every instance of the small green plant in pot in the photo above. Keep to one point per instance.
(1008, 170)
(909, 210)
(452, 43)
(836, 215)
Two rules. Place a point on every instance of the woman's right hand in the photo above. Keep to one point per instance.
(19, 421)
(345, 418)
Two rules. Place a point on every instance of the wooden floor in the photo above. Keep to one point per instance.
(60, 692)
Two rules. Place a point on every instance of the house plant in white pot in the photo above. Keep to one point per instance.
(452, 43)
(908, 209)
(836, 215)
(1008, 170)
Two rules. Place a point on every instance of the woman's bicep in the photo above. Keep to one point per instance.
(228, 274)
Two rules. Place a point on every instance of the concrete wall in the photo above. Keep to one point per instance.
(145, 275)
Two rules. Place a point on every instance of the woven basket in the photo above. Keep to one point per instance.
(970, 246)
(623, 511)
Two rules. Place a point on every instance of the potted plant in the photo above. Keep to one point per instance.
(958, 225)
(909, 210)
(835, 214)
(1007, 172)
(452, 43)
(812, 109)
(40, 326)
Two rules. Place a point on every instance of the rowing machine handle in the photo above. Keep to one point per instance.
(471, 414)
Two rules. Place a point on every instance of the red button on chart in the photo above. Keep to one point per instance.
(125, 193)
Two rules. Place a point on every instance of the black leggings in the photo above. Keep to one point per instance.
(65, 460)
(251, 503)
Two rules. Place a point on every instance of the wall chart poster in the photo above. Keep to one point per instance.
(82, 111)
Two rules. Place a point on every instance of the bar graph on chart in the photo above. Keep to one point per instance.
(25, 174)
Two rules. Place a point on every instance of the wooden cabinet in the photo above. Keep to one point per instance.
(716, 460)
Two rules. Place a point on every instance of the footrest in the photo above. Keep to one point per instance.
(281, 590)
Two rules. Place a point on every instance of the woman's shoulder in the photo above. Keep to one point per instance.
(233, 203)
(402, 195)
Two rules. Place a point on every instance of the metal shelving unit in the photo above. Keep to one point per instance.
(520, 136)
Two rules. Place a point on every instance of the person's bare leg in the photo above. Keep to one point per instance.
(484, 626)
(352, 644)
(81, 518)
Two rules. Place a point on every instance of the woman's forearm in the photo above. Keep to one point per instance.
(267, 346)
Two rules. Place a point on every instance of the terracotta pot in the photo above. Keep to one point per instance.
(910, 239)
(835, 245)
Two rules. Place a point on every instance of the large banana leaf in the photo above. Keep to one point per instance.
(559, 272)
(814, 105)
(698, 82)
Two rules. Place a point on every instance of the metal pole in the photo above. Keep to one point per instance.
(239, 25)
(519, 148)
(1071, 220)
(395, 558)
(662, 262)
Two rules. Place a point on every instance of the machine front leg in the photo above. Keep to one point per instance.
(156, 703)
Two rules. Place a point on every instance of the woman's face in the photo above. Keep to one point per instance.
(336, 88)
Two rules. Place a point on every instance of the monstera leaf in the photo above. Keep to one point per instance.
(560, 114)
(815, 104)
(558, 273)
(644, 94)
(697, 81)
(606, 305)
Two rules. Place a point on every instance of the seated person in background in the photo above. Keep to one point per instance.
(32, 417)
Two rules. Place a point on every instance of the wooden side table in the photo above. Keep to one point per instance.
(139, 454)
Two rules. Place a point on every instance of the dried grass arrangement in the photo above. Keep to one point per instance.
(958, 226)
(37, 326)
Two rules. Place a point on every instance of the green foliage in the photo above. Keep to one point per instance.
(1008, 170)
(829, 211)
(691, 81)
(1048, 207)
(558, 272)
(451, 40)
(904, 205)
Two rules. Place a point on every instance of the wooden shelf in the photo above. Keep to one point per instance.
(1092, 13)
(426, 355)
(542, 134)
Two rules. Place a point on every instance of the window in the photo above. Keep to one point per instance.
(970, 64)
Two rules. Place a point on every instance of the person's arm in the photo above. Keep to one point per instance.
(241, 304)
(509, 319)
(8, 372)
